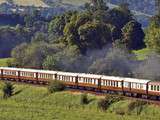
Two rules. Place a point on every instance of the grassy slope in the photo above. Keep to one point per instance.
(142, 54)
(41, 3)
(3, 61)
(2, 1)
(28, 2)
(36, 3)
(34, 103)
(75, 2)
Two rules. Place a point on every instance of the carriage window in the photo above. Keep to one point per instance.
(117, 84)
(141, 86)
(157, 88)
(90, 80)
(84, 80)
(94, 81)
(126, 84)
(110, 83)
(103, 82)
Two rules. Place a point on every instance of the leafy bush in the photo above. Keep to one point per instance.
(8, 90)
(120, 111)
(56, 86)
(136, 105)
(84, 99)
(103, 104)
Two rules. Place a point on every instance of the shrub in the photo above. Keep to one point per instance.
(120, 111)
(56, 86)
(8, 89)
(84, 99)
(136, 105)
(103, 104)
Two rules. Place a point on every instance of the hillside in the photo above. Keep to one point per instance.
(2, 1)
(3, 62)
(34, 103)
(138, 6)
(36, 3)
(75, 2)
(144, 6)
(42, 3)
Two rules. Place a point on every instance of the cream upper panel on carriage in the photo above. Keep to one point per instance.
(136, 83)
(112, 78)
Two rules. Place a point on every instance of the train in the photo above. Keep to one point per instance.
(84, 80)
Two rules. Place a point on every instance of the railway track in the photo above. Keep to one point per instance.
(73, 90)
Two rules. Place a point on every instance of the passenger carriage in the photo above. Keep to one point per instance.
(89, 80)
(45, 75)
(154, 88)
(111, 83)
(100, 82)
(67, 77)
(133, 85)
(9, 73)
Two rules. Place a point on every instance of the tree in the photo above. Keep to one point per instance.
(56, 26)
(8, 90)
(11, 37)
(32, 54)
(133, 35)
(157, 4)
(152, 38)
(98, 5)
(94, 35)
(39, 37)
(84, 99)
(119, 16)
(63, 60)
(18, 53)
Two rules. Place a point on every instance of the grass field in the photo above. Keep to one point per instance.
(3, 61)
(39, 3)
(75, 2)
(2, 1)
(34, 103)
(142, 54)
(36, 3)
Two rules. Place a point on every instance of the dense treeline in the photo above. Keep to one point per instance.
(10, 37)
(74, 38)
(16, 29)
(96, 40)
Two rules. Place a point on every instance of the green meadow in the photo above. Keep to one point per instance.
(35, 103)
(3, 62)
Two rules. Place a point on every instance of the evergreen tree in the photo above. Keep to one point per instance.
(157, 5)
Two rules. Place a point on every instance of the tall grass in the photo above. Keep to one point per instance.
(75, 2)
(4, 61)
(142, 54)
(34, 103)
(36, 3)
